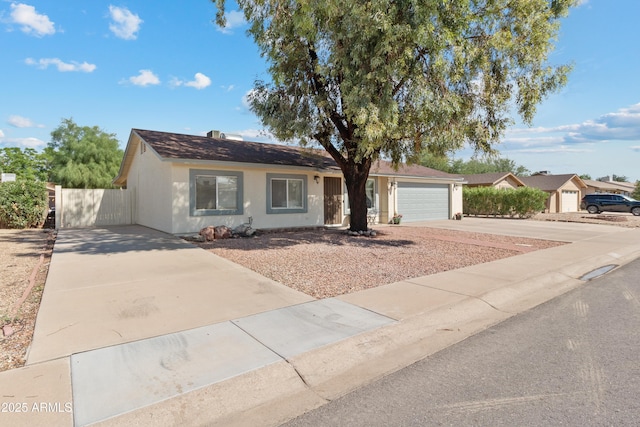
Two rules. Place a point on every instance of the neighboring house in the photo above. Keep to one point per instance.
(182, 183)
(494, 179)
(564, 190)
(614, 187)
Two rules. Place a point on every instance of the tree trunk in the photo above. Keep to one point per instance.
(355, 176)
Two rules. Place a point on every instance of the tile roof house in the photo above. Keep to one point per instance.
(564, 190)
(493, 179)
(182, 183)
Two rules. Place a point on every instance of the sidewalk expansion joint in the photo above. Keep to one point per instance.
(461, 294)
(306, 384)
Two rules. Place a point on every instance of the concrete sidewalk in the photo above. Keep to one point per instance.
(137, 327)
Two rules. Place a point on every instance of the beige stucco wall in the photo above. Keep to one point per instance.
(385, 206)
(569, 186)
(507, 183)
(150, 177)
(456, 199)
(169, 211)
(254, 201)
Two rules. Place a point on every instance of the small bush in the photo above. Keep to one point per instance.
(522, 202)
(23, 204)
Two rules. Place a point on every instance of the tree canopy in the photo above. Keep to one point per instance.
(27, 164)
(484, 164)
(614, 178)
(372, 79)
(83, 156)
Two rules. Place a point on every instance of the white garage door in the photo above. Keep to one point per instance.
(569, 201)
(420, 202)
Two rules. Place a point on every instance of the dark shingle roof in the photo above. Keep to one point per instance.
(177, 146)
(548, 182)
(182, 147)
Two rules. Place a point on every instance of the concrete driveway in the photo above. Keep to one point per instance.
(139, 327)
(120, 284)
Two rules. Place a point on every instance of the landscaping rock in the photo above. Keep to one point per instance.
(7, 330)
(209, 233)
(244, 230)
(223, 232)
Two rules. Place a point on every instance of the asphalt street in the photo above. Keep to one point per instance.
(572, 361)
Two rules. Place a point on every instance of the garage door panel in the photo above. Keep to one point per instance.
(420, 202)
(570, 201)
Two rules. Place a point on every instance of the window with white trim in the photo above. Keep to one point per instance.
(215, 192)
(286, 193)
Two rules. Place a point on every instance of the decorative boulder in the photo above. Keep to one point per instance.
(208, 233)
(223, 232)
(244, 231)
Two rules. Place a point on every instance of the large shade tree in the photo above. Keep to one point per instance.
(83, 156)
(379, 78)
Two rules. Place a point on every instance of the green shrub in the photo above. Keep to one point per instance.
(23, 204)
(522, 202)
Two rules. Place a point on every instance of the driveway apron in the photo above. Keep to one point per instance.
(120, 284)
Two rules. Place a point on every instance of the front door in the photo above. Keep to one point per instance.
(332, 200)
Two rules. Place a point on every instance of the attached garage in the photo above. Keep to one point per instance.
(570, 201)
(421, 202)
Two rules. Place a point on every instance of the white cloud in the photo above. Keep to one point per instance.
(1, 134)
(557, 149)
(245, 99)
(62, 66)
(235, 19)
(32, 22)
(23, 142)
(22, 122)
(200, 81)
(633, 147)
(256, 134)
(622, 125)
(125, 24)
(228, 88)
(145, 78)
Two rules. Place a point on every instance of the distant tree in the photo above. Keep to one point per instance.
(441, 163)
(614, 177)
(485, 164)
(585, 176)
(27, 164)
(83, 156)
(371, 79)
(636, 191)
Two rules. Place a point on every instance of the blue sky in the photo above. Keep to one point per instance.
(166, 66)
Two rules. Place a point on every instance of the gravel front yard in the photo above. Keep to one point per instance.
(24, 263)
(319, 263)
(328, 263)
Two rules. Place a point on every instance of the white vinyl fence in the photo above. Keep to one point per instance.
(93, 207)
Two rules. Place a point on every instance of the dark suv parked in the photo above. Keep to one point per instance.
(596, 203)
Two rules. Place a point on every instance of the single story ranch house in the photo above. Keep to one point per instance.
(183, 183)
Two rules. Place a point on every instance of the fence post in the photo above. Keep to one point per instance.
(58, 206)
